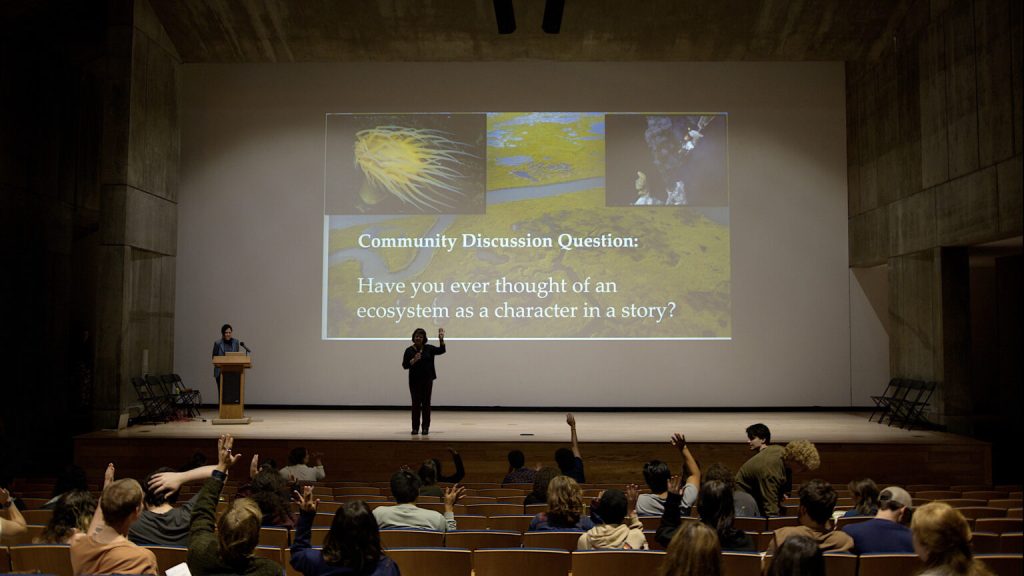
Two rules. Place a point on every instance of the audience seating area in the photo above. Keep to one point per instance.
(493, 537)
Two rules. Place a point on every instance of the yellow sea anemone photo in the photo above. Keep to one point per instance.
(405, 164)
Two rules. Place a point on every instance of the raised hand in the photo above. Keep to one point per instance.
(108, 475)
(632, 493)
(453, 494)
(675, 484)
(440, 333)
(570, 420)
(166, 482)
(225, 459)
(679, 441)
(307, 503)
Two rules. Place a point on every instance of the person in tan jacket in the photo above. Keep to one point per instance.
(619, 527)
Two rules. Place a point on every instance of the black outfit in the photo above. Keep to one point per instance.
(734, 541)
(421, 382)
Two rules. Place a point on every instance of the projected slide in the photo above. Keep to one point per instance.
(575, 225)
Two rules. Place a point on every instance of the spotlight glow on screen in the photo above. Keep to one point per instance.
(569, 225)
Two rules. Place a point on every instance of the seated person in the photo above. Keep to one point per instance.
(72, 477)
(743, 503)
(656, 474)
(72, 515)
(799, 555)
(942, 539)
(161, 523)
(817, 502)
(617, 527)
(565, 508)
(104, 548)
(570, 462)
(539, 494)
(269, 490)
(716, 510)
(405, 487)
(518, 473)
(298, 468)
(865, 498)
(352, 546)
(885, 532)
(694, 551)
(229, 549)
(767, 476)
(430, 474)
(12, 523)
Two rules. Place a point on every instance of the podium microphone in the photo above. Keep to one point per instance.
(247, 351)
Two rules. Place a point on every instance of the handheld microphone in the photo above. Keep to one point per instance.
(242, 344)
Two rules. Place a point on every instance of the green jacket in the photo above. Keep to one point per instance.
(764, 478)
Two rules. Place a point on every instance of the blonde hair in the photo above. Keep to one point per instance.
(565, 501)
(694, 551)
(944, 534)
(804, 452)
(238, 530)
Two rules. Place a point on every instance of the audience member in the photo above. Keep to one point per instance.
(12, 523)
(942, 539)
(743, 503)
(758, 437)
(885, 532)
(270, 492)
(715, 507)
(225, 545)
(161, 523)
(405, 487)
(72, 515)
(656, 474)
(518, 473)
(617, 525)
(105, 548)
(694, 551)
(430, 474)
(539, 494)
(817, 502)
(569, 461)
(298, 468)
(799, 556)
(767, 476)
(352, 546)
(565, 508)
(865, 498)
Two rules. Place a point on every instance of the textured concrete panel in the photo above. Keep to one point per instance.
(111, 322)
(854, 73)
(886, 121)
(154, 142)
(113, 216)
(116, 72)
(869, 238)
(909, 106)
(995, 88)
(912, 223)
(1017, 74)
(913, 303)
(962, 90)
(151, 222)
(1011, 207)
(147, 22)
(934, 137)
(967, 209)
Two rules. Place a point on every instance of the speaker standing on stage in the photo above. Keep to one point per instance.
(419, 361)
(221, 347)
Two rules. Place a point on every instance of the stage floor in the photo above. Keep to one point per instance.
(507, 426)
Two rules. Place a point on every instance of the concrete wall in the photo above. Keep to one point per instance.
(934, 162)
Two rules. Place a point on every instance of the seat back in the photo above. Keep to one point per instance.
(999, 525)
(44, 558)
(471, 522)
(1011, 543)
(517, 522)
(562, 540)
(985, 543)
(275, 537)
(432, 561)
(493, 509)
(521, 561)
(741, 564)
(168, 556)
(890, 564)
(1003, 564)
(972, 512)
(616, 562)
(750, 524)
(473, 539)
(840, 564)
(406, 538)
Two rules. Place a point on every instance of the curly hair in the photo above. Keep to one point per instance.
(565, 502)
(946, 537)
(803, 452)
(71, 514)
(270, 493)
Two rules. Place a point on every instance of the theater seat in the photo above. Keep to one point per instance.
(42, 558)
(616, 562)
(521, 562)
(433, 561)
(889, 564)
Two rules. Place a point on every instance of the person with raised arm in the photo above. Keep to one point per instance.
(12, 523)
(105, 548)
(419, 361)
(161, 523)
(569, 461)
(657, 474)
(228, 549)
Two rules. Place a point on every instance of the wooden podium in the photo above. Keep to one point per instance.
(232, 387)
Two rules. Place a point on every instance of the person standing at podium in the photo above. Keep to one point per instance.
(419, 361)
(222, 347)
